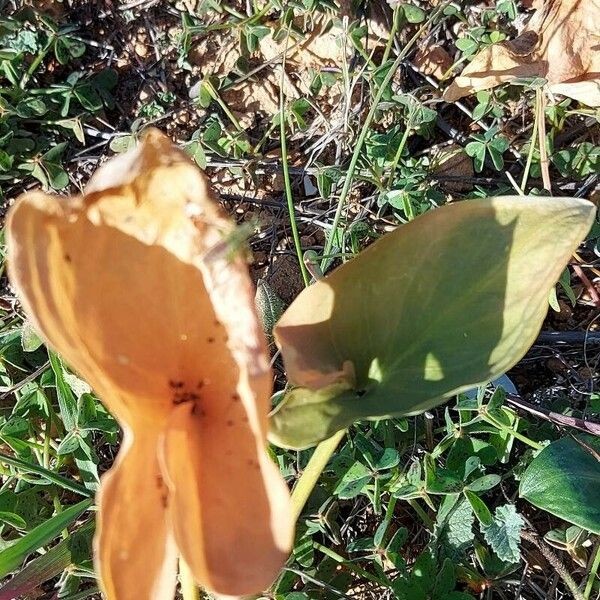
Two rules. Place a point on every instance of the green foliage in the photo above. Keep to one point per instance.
(429, 580)
(457, 528)
(503, 533)
(477, 38)
(578, 162)
(35, 121)
(563, 479)
(488, 144)
(12, 556)
(354, 355)
(389, 489)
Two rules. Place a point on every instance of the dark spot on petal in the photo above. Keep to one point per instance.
(210, 340)
(181, 395)
(164, 499)
(235, 397)
(229, 422)
(68, 258)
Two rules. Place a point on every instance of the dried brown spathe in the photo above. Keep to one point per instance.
(135, 284)
(561, 43)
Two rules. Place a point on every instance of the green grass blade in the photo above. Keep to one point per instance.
(66, 399)
(43, 568)
(59, 480)
(14, 555)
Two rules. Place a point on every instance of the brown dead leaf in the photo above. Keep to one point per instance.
(250, 99)
(136, 284)
(561, 43)
(217, 53)
(433, 60)
(53, 8)
(323, 46)
(454, 162)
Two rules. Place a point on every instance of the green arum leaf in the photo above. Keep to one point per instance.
(12, 557)
(446, 302)
(564, 479)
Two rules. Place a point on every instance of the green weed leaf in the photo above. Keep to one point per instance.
(504, 533)
(15, 554)
(458, 532)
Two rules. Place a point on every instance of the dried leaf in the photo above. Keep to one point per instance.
(136, 285)
(455, 167)
(433, 60)
(560, 44)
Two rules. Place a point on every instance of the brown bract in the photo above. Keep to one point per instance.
(135, 285)
(561, 43)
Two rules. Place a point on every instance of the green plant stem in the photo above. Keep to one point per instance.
(46, 464)
(189, 589)
(235, 24)
(392, 37)
(540, 103)
(349, 564)
(559, 567)
(318, 461)
(511, 431)
(429, 524)
(531, 150)
(286, 173)
(592, 575)
(259, 145)
(35, 64)
(365, 129)
(217, 98)
(398, 154)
